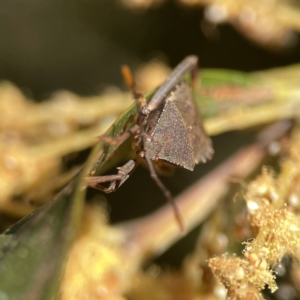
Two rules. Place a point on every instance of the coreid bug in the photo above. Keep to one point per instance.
(168, 132)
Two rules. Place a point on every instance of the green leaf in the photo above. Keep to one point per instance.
(222, 90)
(32, 252)
(221, 77)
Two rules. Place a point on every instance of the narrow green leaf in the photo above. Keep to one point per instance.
(32, 252)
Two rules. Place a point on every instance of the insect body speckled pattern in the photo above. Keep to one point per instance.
(168, 131)
(175, 133)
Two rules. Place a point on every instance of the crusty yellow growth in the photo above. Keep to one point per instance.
(273, 208)
(240, 275)
(99, 265)
(34, 137)
(278, 236)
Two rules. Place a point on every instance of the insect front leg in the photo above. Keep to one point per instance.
(115, 180)
(118, 140)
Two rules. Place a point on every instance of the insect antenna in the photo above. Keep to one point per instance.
(139, 98)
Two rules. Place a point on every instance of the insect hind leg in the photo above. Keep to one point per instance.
(166, 193)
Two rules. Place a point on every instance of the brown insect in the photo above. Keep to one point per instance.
(168, 132)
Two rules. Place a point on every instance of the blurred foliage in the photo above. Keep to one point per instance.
(35, 142)
(67, 249)
(271, 24)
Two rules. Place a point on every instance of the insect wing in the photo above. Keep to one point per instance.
(175, 132)
(201, 143)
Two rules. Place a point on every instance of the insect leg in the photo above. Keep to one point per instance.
(118, 140)
(166, 193)
(115, 180)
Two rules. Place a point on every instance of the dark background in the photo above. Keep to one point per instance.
(80, 45)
